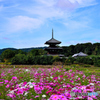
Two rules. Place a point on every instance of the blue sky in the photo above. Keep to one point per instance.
(29, 23)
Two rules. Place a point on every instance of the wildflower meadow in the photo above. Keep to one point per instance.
(48, 84)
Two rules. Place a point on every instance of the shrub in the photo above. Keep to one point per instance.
(87, 65)
(96, 61)
(56, 58)
(84, 60)
(70, 60)
(57, 63)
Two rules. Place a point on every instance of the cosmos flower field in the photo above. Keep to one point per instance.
(48, 84)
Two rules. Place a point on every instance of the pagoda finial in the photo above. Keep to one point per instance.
(52, 33)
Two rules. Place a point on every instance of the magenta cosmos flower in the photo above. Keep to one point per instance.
(14, 77)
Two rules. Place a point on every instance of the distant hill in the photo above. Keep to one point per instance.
(23, 49)
(1, 50)
(87, 48)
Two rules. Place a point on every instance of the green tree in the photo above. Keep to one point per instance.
(7, 54)
(42, 52)
(88, 48)
(96, 48)
(19, 59)
(29, 59)
(19, 52)
(34, 52)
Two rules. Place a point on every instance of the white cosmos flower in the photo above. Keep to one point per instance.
(29, 83)
(58, 78)
(80, 97)
(74, 88)
(43, 95)
(31, 86)
(76, 76)
(51, 77)
(20, 84)
(31, 80)
(27, 70)
(91, 83)
(25, 93)
(77, 83)
(64, 85)
(12, 92)
(64, 79)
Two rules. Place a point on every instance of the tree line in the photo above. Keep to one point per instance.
(39, 56)
(88, 48)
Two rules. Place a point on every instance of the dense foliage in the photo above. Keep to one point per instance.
(38, 56)
(84, 60)
(88, 48)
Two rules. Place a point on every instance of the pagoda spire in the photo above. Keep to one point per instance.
(52, 33)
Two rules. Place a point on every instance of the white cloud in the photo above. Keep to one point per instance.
(77, 25)
(22, 23)
(66, 4)
(45, 11)
(73, 4)
(51, 9)
(47, 2)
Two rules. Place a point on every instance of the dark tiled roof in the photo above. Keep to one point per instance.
(52, 41)
(54, 48)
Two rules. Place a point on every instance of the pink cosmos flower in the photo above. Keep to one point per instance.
(7, 86)
(71, 81)
(24, 83)
(89, 98)
(14, 77)
(38, 89)
(6, 81)
(84, 76)
(67, 94)
(54, 97)
(2, 74)
(93, 96)
(33, 83)
(48, 91)
(70, 70)
(85, 90)
(20, 91)
(79, 78)
(1, 82)
(83, 87)
(11, 95)
(62, 97)
(36, 96)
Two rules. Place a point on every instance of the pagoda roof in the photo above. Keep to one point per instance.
(52, 40)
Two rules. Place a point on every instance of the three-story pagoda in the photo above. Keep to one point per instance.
(53, 49)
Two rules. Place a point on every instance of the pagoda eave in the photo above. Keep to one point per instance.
(52, 48)
(52, 43)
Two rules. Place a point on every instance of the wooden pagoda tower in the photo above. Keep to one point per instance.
(53, 49)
